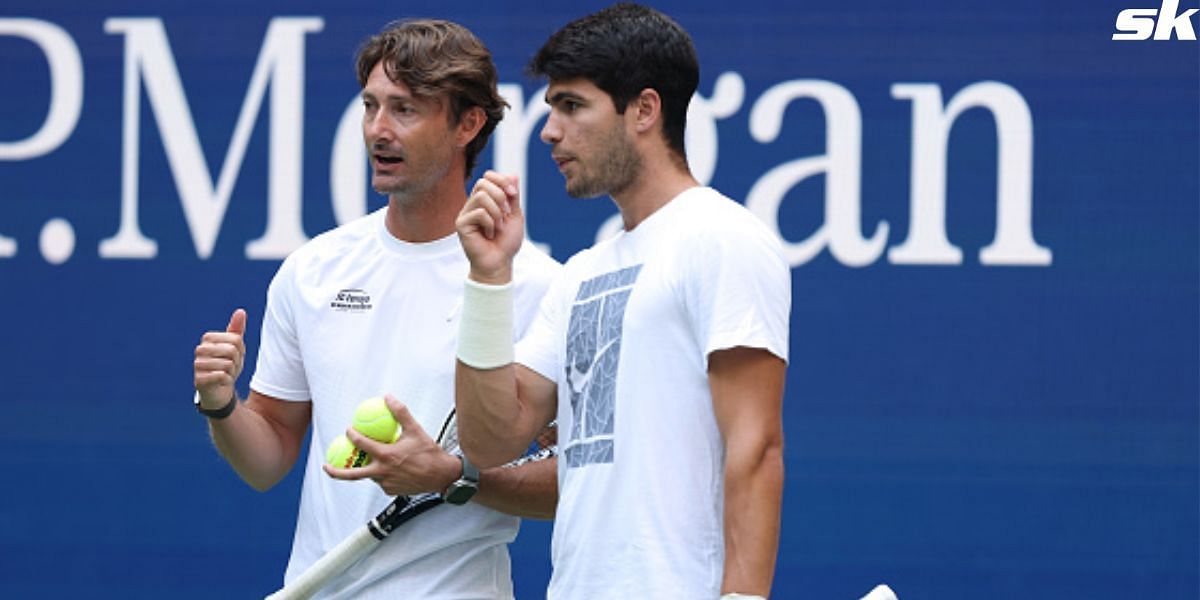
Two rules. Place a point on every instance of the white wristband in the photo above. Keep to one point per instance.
(741, 597)
(485, 334)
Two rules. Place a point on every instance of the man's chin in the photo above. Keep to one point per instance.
(387, 185)
(582, 190)
(585, 194)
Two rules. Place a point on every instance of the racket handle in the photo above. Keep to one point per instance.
(329, 566)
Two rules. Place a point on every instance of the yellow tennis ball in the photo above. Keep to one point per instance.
(373, 419)
(344, 455)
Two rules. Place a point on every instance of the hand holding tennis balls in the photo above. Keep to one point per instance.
(373, 419)
(412, 464)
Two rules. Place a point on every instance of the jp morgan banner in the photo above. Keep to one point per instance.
(150, 69)
(991, 213)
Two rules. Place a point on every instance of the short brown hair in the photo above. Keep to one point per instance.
(433, 57)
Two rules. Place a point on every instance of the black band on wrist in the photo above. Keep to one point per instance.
(219, 413)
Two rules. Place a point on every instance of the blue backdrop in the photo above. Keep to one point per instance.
(991, 210)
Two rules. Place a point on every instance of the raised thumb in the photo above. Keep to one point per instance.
(237, 322)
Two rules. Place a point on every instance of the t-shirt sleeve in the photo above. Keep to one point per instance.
(280, 369)
(540, 349)
(738, 290)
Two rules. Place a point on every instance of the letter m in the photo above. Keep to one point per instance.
(148, 60)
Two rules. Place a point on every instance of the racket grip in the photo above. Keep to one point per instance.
(329, 566)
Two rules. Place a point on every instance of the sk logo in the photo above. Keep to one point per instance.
(1140, 23)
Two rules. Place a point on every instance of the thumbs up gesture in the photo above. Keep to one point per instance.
(219, 362)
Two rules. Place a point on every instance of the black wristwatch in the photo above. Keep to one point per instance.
(218, 413)
(462, 490)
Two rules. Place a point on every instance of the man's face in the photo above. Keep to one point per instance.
(588, 140)
(410, 139)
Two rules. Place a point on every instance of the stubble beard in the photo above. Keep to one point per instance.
(619, 166)
(414, 191)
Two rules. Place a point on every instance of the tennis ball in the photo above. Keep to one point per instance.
(373, 419)
(344, 455)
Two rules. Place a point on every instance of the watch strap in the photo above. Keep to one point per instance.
(461, 491)
(216, 414)
(470, 473)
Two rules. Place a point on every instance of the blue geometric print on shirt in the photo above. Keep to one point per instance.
(593, 356)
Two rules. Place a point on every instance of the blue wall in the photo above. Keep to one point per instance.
(1024, 426)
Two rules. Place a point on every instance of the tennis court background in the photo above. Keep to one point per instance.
(957, 426)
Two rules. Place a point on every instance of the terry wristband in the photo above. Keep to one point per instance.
(485, 335)
(741, 597)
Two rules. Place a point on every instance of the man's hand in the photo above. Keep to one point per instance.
(412, 464)
(491, 227)
(219, 362)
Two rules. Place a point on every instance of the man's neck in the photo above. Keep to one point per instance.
(427, 217)
(661, 180)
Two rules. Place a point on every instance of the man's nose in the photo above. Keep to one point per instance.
(551, 132)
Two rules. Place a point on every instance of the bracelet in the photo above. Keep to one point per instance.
(218, 413)
(485, 335)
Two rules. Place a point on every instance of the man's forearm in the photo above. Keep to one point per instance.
(259, 448)
(529, 490)
(747, 389)
(490, 418)
(753, 498)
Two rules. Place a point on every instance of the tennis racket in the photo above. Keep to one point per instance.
(401, 510)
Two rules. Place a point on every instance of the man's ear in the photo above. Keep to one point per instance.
(470, 123)
(647, 110)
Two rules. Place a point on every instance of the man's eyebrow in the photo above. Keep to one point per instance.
(560, 96)
(368, 95)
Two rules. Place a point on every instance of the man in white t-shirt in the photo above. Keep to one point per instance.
(371, 308)
(661, 352)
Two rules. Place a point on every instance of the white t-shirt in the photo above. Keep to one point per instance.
(356, 313)
(625, 331)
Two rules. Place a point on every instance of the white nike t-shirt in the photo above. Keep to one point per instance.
(356, 313)
(625, 331)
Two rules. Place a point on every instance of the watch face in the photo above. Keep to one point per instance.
(459, 493)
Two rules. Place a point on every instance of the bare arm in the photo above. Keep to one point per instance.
(261, 438)
(747, 391)
(501, 407)
(529, 490)
(501, 410)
